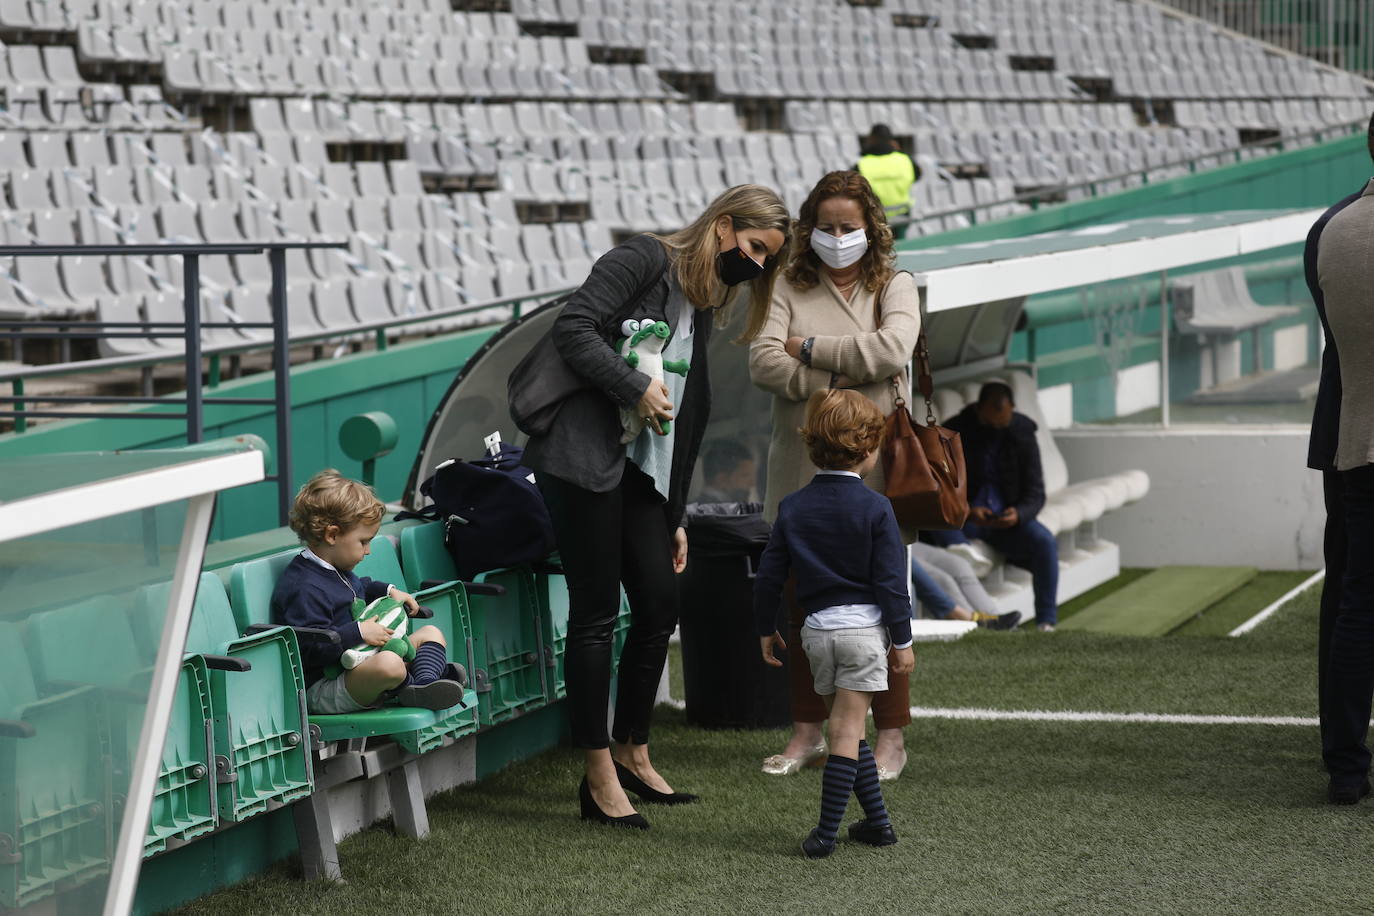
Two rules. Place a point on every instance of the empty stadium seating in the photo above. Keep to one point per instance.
(466, 156)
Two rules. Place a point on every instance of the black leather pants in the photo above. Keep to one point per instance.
(606, 539)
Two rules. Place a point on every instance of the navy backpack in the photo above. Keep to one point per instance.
(493, 514)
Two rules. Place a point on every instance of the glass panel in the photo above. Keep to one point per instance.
(734, 452)
(992, 328)
(476, 404)
(79, 632)
(945, 334)
(1243, 346)
(37, 474)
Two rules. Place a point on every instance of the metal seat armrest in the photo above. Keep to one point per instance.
(312, 635)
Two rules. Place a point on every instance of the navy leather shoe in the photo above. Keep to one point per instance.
(813, 847)
(863, 832)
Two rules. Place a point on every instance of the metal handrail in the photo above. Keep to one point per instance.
(78, 367)
(194, 400)
(1035, 197)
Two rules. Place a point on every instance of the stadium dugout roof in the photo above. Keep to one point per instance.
(978, 272)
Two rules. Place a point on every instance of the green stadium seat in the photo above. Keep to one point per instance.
(450, 607)
(551, 591)
(511, 666)
(257, 695)
(56, 812)
(250, 588)
(110, 658)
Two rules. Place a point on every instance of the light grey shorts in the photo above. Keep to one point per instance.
(329, 697)
(853, 659)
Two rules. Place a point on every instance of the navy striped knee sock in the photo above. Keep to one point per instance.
(868, 790)
(428, 665)
(836, 784)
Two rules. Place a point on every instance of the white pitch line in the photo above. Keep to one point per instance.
(1264, 615)
(1133, 718)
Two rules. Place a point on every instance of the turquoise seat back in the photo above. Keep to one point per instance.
(382, 564)
(424, 556)
(16, 675)
(90, 642)
(250, 587)
(55, 799)
(213, 626)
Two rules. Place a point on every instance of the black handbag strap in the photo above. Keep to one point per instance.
(654, 276)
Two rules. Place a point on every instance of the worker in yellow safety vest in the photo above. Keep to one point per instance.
(889, 170)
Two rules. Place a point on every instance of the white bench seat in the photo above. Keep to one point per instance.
(1071, 510)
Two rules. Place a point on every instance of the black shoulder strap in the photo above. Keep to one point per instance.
(661, 264)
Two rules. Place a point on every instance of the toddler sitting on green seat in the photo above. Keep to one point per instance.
(337, 518)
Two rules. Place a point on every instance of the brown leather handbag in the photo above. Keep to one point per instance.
(923, 465)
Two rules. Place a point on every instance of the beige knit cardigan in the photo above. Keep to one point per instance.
(848, 342)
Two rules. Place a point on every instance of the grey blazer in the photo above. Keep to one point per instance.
(583, 445)
(1345, 268)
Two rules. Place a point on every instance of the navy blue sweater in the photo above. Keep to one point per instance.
(841, 540)
(308, 595)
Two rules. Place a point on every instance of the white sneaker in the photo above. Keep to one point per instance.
(981, 562)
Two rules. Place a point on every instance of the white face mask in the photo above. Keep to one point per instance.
(838, 253)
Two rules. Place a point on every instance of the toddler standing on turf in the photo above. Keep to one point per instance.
(840, 540)
(337, 518)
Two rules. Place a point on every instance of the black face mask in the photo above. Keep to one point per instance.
(734, 266)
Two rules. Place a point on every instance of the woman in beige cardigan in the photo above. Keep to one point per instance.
(824, 327)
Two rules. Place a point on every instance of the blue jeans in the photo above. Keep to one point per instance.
(929, 593)
(1028, 545)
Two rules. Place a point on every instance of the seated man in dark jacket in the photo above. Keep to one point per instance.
(1006, 490)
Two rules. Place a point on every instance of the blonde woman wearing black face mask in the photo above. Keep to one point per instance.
(615, 462)
(823, 330)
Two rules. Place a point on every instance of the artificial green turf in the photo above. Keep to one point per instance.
(1161, 601)
(1270, 671)
(1242, 604)
(1096, 594)
(995, 817)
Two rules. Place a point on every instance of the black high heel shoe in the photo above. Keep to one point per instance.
(592, 812)
(628, 780)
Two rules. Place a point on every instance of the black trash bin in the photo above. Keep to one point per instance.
(726, 682)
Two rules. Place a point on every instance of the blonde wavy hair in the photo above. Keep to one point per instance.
(329, 498)
(693, 251)
(876, 266)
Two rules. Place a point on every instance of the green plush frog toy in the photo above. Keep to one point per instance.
(642, 348)
(391, 614)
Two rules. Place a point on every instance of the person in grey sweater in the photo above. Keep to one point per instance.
(617, 508)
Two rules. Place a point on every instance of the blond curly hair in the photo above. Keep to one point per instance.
(842, 428)
(329, 498)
